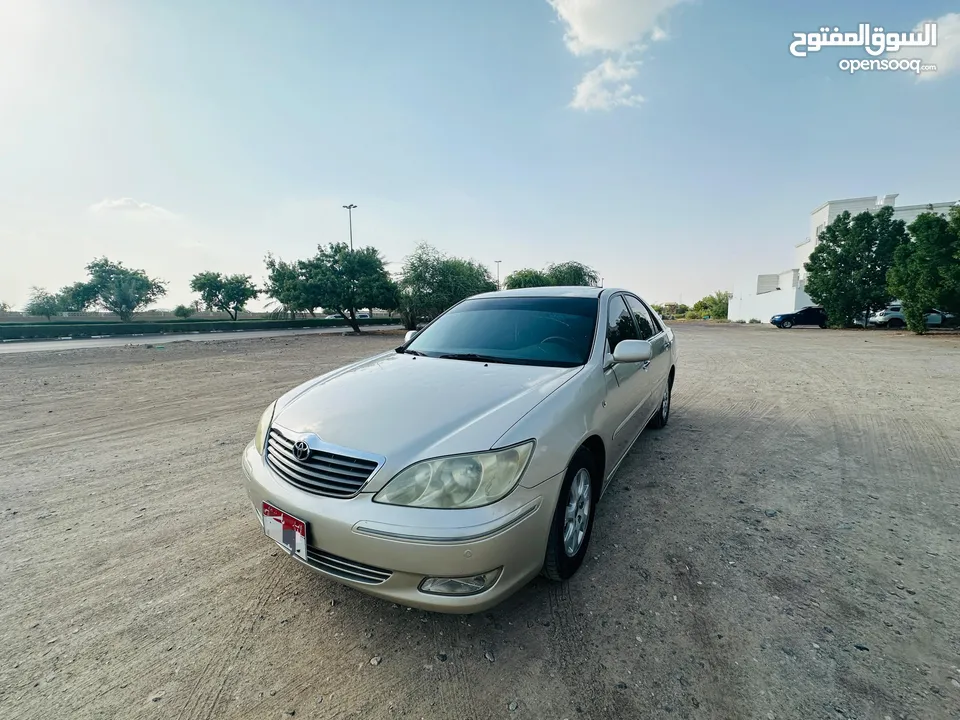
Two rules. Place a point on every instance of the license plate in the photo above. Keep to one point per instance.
(285, 530)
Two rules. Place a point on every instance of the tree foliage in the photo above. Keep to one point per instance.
(183, 311)
(42, 303)
(431, 282)
(565, 273)
(229, 293)
(926, 270)
(79, 297)
(285, 285)
(527, 278)
(847, 270)
(123, 290)
(337, 279)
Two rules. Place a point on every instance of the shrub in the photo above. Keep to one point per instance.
(183, 311)
(740, 322)
(693, 315)
(754, 321)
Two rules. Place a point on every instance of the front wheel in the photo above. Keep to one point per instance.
(572, 520)
(786, 324)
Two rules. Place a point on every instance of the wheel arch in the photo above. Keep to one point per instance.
(594, 443)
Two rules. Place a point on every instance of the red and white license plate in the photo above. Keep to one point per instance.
(286, 530)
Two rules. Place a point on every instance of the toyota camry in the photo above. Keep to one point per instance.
(447, 473)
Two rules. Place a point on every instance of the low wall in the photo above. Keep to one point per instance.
(53, 330)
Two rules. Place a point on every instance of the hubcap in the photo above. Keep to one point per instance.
(576, 517)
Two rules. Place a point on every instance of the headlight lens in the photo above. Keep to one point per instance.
(460, 481)
(263, 426)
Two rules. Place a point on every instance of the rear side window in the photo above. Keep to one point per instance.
(620, 324)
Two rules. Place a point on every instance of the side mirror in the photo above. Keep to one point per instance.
(409, 336)
(632, 351)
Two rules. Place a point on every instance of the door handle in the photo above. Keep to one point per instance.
(667, 344)
(645, 366)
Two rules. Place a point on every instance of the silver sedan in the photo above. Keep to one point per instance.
(449, 472)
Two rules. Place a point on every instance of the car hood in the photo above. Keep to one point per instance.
(408, 408)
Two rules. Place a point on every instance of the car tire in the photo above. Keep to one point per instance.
(559, 564)
(662, 417)
(786, 324)
(895, 323)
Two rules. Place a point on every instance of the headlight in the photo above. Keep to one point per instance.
(459, 481)
(263, 426)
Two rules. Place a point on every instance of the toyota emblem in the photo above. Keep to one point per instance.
(301, 451)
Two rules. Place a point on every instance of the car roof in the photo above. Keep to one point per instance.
(575, 291)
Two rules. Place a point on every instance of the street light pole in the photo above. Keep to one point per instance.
(498, 273)
(349, 208)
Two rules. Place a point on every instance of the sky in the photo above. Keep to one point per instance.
(676, 146)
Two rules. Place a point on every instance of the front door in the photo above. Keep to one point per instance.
(659, 367)
(628, 398)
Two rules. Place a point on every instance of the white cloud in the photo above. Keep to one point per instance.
(611, 27)
(606, 86)
(128, 205)
(946, 55)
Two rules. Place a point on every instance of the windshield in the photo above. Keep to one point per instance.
(549, 331)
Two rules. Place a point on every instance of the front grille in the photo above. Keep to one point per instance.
(346, 569)
(323, 473)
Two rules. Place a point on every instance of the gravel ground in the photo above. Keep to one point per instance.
(786, 548)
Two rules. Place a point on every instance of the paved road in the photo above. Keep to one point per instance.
(22, 346)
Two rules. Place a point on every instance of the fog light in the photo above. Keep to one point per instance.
(470, 585)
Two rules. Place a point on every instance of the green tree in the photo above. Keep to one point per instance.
(926, 270)
(287, 288)
(183, 311)
(572, 273)
(431, 282)
(229, 293)
(565, 273)
(716, 306)
(123, 290)
(527, 278)
(79, 297)
(4, 307)
(847, 270)
(344, 280)
(42, 303)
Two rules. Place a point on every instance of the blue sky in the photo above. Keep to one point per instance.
(185, 136)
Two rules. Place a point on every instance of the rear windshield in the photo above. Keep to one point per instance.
(550, 331)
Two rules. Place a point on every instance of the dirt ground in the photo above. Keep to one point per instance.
(786, 548)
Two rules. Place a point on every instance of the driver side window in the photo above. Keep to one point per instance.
(620, 325)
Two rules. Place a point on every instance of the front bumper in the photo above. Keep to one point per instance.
(387, 551)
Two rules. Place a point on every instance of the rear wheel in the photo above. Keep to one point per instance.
(786, 324)
(663, 414)
(572, 519)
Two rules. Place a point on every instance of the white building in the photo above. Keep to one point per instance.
(763, 296)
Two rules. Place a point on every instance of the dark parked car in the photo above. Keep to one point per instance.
(811, 315)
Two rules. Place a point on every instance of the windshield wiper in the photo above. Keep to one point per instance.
(410, 352)
(474, 357)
